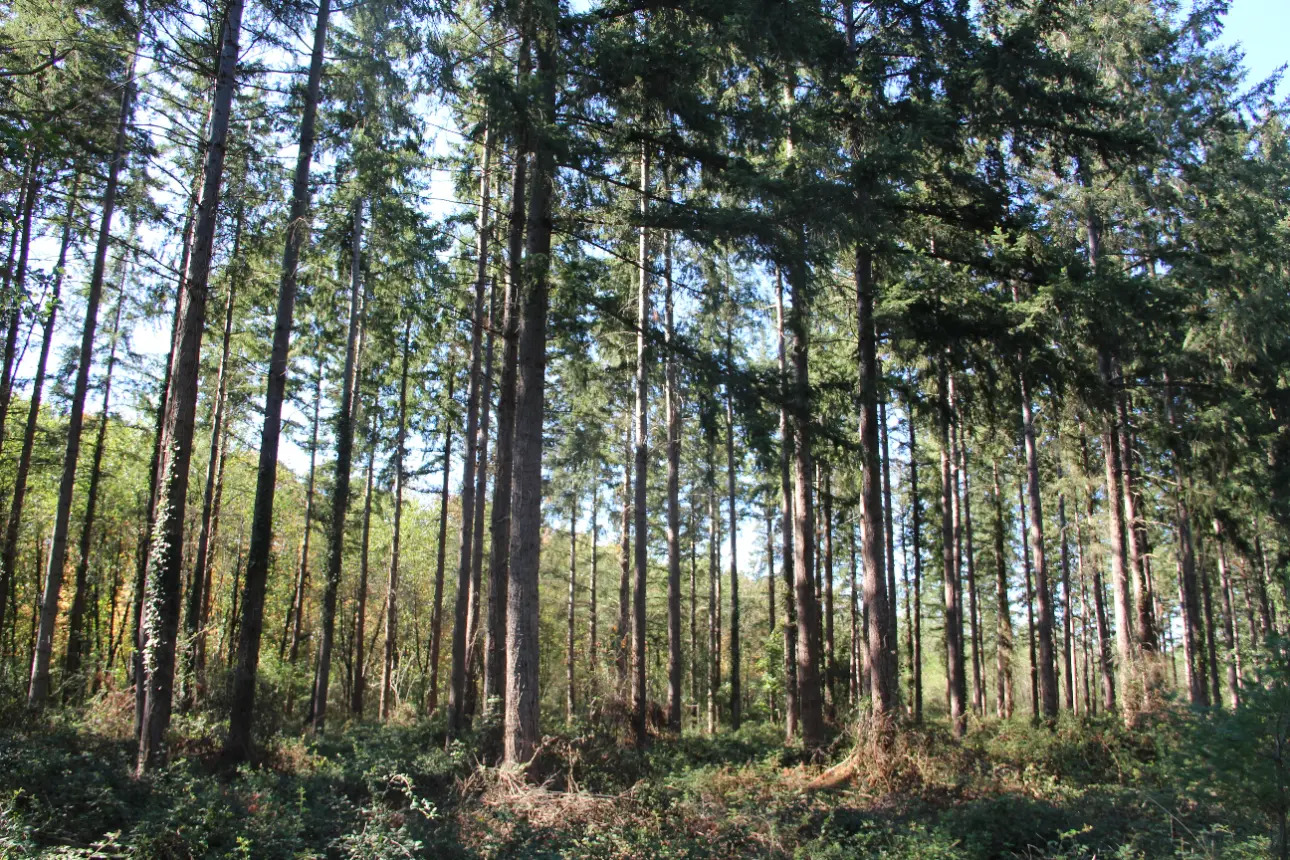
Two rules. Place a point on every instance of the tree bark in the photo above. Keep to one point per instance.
(400, 481)
(291, 631)
(199, 592)
(810, 721)
(1125, 644)
(792, 710)
(345, 418)
(974, 627)
(672, 397)
(9, 556)
(1004, 700)
(238, 745)
(883, 678)
(359, 686)
(436, 612)
(473, 639)
(644, 356)
(624, 569)
(1231, 642)
(38, 690)
(466, 545)
(1044, 622)
(76, 642)
(162, 597)
(736, 696)
(520, 734)
(955, 676)
(570, 701)
(916, 539)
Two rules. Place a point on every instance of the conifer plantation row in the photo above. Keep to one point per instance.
(524, 372)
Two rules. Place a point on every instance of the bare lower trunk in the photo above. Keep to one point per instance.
(810, 721)
(292, 630)
(736, 702)
(1004, 697)
(392, 589)
(238, 745)
(570, 700)
(792, 711)
(916, 539)
(520, 734)
(1047, 692)
(340, 485)
(955, 675)
(436, 610)
(38, 691)
(1231, 642)
(359, 686)
(644, 356)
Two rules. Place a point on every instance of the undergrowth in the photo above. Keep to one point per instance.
(1081, 789)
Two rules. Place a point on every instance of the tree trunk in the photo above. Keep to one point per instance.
(974, 616)
(1124, 639)
(15, 280)
(291, 630)
(890, 544)
(672, 397)
(520, 734)
(38, 691)
(392, 589)
(466, 544)
(474, 642)
(792, 711)
(359, 686)
(1231, 642)
(76, 642)
(9, 557)
(570, 700)
(714, 600)
(1044, 622)
(1004, 700)
(199, 592)
(810, 721)
(830, 662)
(624, 568)
(238, 745)
(644, 356)
(736, 700)
(1030, 605)
(883, 678)
(1068, 633)
(1211, 650)
(500, 523)
(1135, 529)
(593, 609)
(345, 418)
(436, 612)
(916, 598)
(161, 617)
(955, 676)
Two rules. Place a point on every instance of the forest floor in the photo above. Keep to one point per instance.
(1084, 789)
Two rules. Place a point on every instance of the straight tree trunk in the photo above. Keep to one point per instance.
(436, 612)
(883, 677)
(810, 720)
(1004, 696)
(500, 522)
(1030, 606)
(694, 606)
(1124, 639)
(1216, 694)
(473, 640)
(291, 632)
(466, 545)
(77, 649)
(1231, 642)
(792, 710)
(392, 589)
(916, 539)
(889, 543)
(621, 651)
(359, 686)
(15, 281)
(1048, 692)
(955, 676)
(593, 609)
(9, 556)
(520, 734)
(974, 616)
(38, 690)
(162, 596)
(1135, 530)
(199, 591)
(714, 600)
(345, 418)
(237, 747)
(1099, 593)
(826, 567)
(570, 701)
(1188, 589)
(1068, 632)
(672, 398)
(644, 356)
(736, 699)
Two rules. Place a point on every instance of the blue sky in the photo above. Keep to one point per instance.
(1262, 27)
